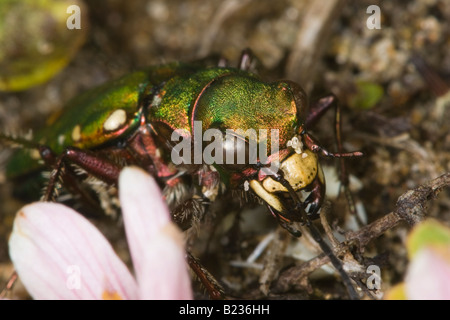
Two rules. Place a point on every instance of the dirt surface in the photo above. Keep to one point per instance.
(392, 84)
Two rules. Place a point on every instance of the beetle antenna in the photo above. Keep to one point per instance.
(315, 147)
(23, 141)
(334, 260)
(318, 238)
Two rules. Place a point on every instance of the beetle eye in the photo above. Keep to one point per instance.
(300, 98)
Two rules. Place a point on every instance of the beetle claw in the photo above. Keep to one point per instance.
(314, 206)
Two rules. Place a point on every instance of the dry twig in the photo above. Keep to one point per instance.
(411, 207)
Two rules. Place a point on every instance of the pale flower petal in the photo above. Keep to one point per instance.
(166, 276)
(428, 276)
(155, 243)
(59, 254)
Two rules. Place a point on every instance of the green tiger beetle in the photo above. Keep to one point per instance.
(132, 121)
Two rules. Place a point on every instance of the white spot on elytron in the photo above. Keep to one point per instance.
(295, 144)
(156, 101)
(76, 133)
(246, 185)
(304, 155)
(61, 139)
(115, 120)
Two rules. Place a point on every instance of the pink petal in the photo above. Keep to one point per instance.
(155, 243)
(428, 276)
(59, 254)
(166, 274)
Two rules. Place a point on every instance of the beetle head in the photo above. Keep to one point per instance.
(281, 189)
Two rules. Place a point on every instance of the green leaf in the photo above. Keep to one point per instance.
(35, 41)
(366, 96)
(428, 233)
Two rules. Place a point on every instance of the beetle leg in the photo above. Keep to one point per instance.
(188, 212)
(70, 181)
(312, 145)
(211, 285)
(343, 176)
(319, 108)
(316, 112)
(100, 168)
(285, 224)
(50, 159)
(316, 197)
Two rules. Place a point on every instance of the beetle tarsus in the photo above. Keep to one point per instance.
(211, 285)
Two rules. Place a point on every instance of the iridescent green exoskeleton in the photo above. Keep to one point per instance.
(140, 119)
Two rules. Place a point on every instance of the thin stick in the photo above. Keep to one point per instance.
(11, 281)
(410, 208)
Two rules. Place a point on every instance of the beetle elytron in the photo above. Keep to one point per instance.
(131, 121)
